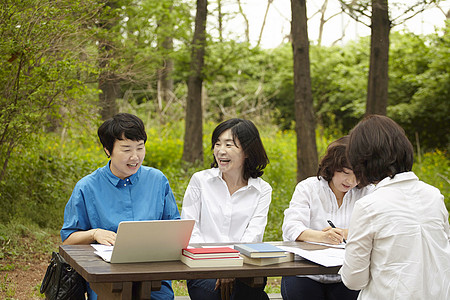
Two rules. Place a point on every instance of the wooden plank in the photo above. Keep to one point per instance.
(113, 291)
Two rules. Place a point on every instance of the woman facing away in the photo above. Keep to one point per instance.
(399, 236)
(331, 195)
(229, 202)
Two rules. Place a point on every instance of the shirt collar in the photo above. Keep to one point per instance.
(326, 185)
(252, 182)
(401, 177)
(116, 181)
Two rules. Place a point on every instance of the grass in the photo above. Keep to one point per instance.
(7, 287)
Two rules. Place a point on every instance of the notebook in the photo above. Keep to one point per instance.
(148, 241)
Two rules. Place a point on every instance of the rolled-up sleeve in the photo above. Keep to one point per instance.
(75, 214)
(192, 208)
(255, 229)
(297, 215)
(355, 271)
(170, 204)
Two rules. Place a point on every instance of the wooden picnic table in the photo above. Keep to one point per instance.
(137, 280)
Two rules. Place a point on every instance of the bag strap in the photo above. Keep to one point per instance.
(48, 274)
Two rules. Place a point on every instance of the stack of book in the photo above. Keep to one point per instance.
(211, 257)
(263, 254)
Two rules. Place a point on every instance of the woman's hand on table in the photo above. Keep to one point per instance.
(103, 236)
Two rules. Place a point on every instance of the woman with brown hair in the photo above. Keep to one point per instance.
(330, 195)
(399, 236)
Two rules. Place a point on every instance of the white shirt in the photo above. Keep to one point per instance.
(221, 217)
(312, 204)
(399, 242)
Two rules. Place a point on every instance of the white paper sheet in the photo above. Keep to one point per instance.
(341, 245)
(329, 257)
(104, 251)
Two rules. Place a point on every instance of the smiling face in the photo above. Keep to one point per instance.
(343, 181)
(126, 157)
(229, 154)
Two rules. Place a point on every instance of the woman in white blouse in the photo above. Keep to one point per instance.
(330, 195)
(229, 202)
(399, 235)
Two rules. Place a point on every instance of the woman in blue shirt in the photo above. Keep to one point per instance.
(123, 190)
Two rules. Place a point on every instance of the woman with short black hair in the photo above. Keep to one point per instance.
(122, 190)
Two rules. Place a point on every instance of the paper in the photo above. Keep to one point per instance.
(330, 257)
(101, 248)
(205, 246)
(104, 251)
(341, 245)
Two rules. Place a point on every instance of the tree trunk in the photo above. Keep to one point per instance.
(109, 86)
(193, 144)
(108, 82)
(377, 91)
(220, 20)
(307, 159)
(165, 80)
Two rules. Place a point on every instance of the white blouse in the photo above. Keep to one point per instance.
(399, 242)
(312, 204)
(221, 217)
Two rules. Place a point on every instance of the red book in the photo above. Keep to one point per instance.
(211, 252)
(212, 262)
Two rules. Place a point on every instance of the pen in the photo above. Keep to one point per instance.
(332, 226)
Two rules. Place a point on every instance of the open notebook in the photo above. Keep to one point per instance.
(147, 241)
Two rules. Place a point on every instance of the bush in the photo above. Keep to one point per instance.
(434, 168)
(40, 179)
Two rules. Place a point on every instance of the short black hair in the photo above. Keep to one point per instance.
(378, 148)
(335, 159)
(248, 135)
(121, 126)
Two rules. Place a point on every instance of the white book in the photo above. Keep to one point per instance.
(212, 262)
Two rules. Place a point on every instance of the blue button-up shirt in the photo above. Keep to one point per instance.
(102, 200)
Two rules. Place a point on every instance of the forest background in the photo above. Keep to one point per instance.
(67, 65)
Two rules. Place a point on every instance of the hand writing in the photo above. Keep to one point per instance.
(333, 236)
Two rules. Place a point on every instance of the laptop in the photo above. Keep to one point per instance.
(147, 241)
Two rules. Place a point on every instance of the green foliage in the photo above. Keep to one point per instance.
(434, 168)
(421, 81)
(339, 82)
(41, 177)
(419, 85)
(281, 175)
(140, 32)
(41, 69)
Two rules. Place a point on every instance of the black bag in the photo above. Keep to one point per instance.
(62, 282)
